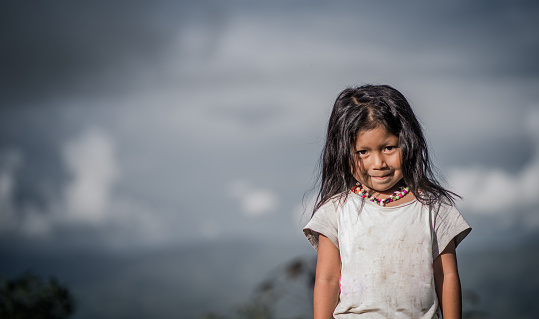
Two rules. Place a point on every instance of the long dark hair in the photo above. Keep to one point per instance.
(364, 108)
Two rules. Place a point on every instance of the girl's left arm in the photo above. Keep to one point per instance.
(447, 282)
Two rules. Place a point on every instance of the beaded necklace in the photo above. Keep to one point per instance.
(358, 189)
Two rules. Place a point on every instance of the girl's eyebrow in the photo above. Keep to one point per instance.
(385, 142)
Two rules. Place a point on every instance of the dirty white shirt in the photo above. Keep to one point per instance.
(387, 254)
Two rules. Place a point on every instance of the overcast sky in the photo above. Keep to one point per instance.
(177, 121)
(134, 125)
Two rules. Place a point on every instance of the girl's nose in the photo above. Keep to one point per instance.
(378, 161)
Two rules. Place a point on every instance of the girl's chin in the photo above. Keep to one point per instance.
(388, 191)
(383, 188)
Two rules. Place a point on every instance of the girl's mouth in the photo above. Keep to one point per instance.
(380, 178)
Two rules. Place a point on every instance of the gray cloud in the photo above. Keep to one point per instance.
(62, 48)
(193, 98)
(235, 89)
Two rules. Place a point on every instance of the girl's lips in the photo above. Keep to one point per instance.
(380, 177)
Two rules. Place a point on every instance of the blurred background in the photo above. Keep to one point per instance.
(156, 157)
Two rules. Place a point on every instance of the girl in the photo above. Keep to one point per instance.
(384, 228)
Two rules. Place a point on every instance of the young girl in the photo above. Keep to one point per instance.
(384, 228)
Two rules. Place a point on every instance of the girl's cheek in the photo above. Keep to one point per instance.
(358, 173)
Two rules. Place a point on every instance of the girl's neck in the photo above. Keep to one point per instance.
(382, 195)
(386, 193)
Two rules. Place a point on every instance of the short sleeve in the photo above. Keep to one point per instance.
(324, 221)
(448, 224)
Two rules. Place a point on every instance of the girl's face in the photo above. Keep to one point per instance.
(378, 160)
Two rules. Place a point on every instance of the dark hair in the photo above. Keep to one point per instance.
(364, 108)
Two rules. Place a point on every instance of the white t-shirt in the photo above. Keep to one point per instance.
(386, 254)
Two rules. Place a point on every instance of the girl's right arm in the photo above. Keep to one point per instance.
(328, 274)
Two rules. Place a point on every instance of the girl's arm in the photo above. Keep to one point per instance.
(328, 274)
(447, 282)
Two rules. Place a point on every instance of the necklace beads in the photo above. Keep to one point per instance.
(358, 189)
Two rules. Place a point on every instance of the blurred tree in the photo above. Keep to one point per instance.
(27, 296)
(470, 302)
(286, 293)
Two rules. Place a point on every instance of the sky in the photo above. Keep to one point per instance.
(133, 127)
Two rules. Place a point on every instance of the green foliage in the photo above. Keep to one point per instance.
(27, 296)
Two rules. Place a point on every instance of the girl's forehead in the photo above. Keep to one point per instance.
(379, 134)
(377, 129)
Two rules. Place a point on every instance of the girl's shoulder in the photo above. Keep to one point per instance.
(440, 205)
(338, 201)
(443, 212)
(332, 204)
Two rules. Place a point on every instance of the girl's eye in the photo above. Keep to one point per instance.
(390, 148)
(361, 152)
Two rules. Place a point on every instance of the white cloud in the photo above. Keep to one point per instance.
(495, 190)
(253, 201)
(91, 160)
(87, 199)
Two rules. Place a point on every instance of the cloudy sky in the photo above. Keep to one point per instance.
(133, 126)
